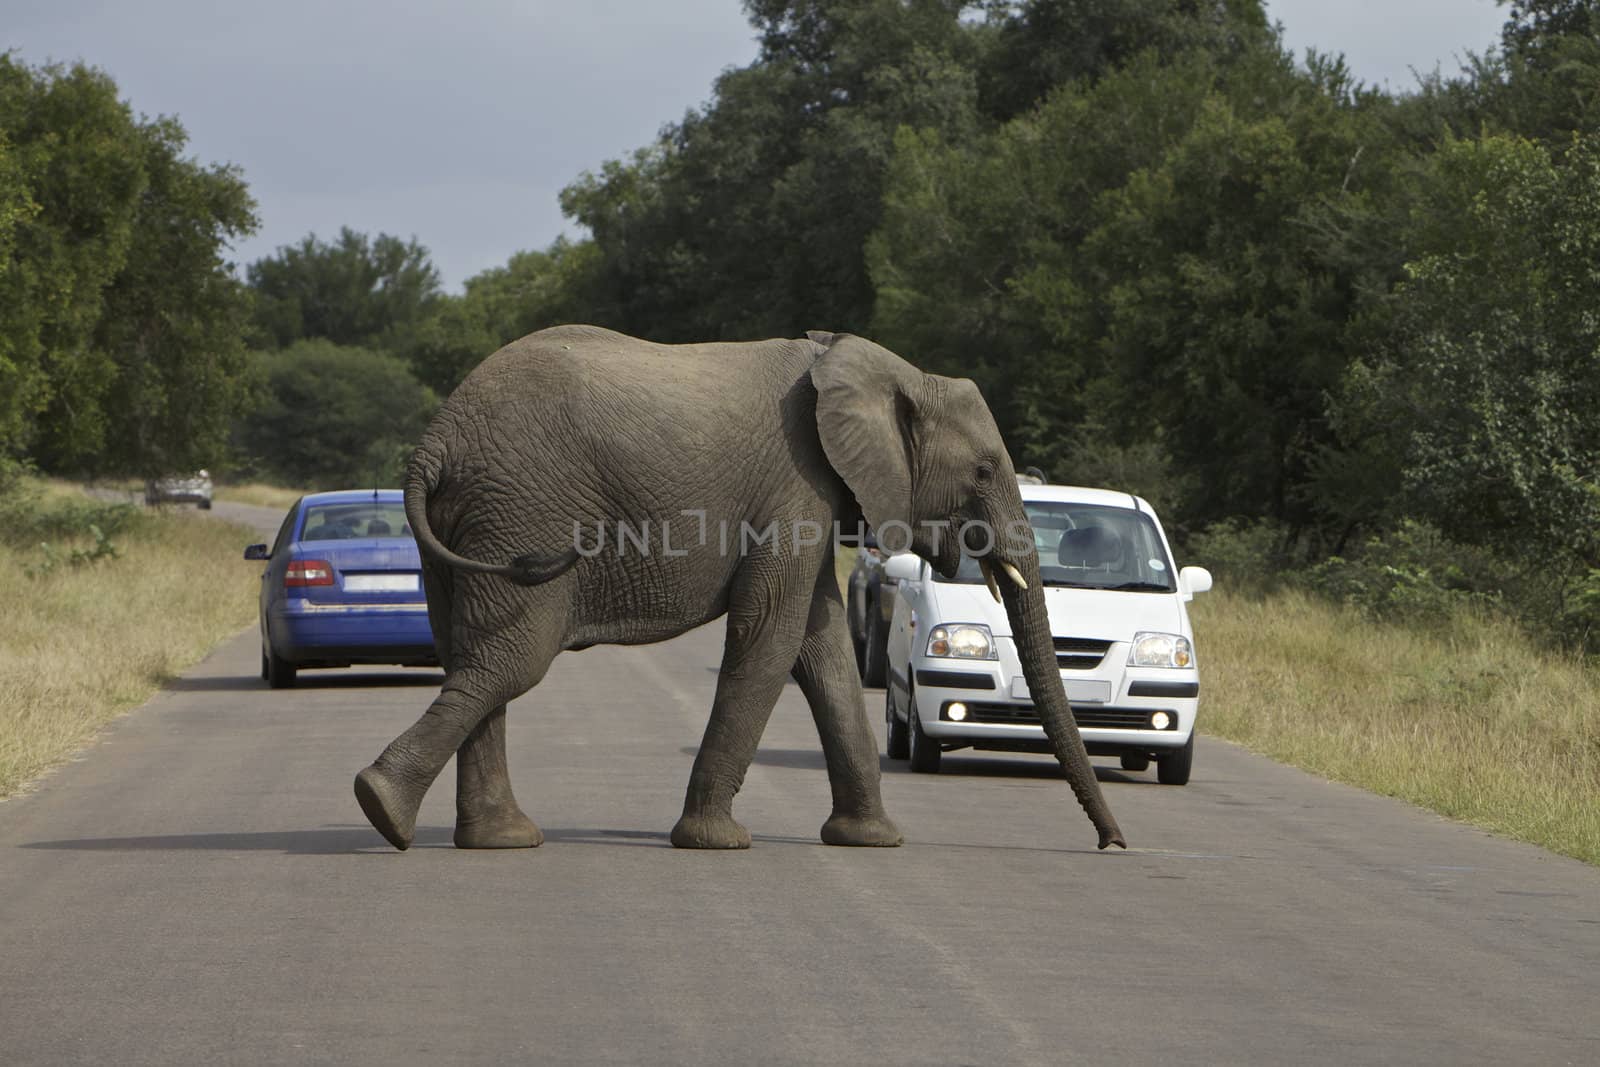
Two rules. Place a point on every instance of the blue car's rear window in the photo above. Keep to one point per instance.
(365, 518)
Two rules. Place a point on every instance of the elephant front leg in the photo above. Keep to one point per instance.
(766, 622)
(738, 716)
(826, 672)
(487, 814)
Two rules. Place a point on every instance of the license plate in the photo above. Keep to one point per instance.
(380, 583)
(1079, 691)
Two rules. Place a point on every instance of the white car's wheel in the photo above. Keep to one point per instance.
(925, 752)
(1174, 769)
(874, 652)
(899, 737)
(1131, 762)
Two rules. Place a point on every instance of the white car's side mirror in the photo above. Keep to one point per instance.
(1192, 580)
(905, 567)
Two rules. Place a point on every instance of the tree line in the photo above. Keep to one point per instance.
(121, 328)
(1339, 328)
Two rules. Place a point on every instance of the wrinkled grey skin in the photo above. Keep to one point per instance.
(575, 425)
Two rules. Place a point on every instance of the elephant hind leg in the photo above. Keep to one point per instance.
(483, 676)
(487, 814)
(391, 789)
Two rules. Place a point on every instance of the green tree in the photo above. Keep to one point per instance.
(119, 321)
(1151, 272)
(175, 317)
(533, 290)
(1543, 83)
(1225, 317)
(333, 416)
(74, 148)
(15, 206)
(1038, 45)
(1482, 406)
(356, 290)
(1535, 28)
(748, 218)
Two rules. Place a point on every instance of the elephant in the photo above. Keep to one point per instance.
(573, 434)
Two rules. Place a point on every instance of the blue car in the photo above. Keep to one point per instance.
(342, 585)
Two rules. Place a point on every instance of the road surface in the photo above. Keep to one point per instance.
(200, 887)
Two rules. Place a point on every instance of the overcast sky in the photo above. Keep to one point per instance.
(458, 124)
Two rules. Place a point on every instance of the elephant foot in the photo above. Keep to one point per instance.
(388, 805)
(709, 831)
(862, 830)
(509, 829)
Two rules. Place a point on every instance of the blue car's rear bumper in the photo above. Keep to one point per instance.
(307, 633)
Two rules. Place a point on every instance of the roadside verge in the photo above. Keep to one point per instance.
(104, 603)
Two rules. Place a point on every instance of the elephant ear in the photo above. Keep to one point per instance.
(867, 400)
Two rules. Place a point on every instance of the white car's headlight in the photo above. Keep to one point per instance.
(1161, 650)
(967, 640)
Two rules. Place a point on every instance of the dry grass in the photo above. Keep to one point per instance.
(77, 648)
(1474, 722)
(259, 495)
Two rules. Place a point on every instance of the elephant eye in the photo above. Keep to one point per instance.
(985, 473)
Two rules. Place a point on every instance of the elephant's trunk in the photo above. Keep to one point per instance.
(1030, 628)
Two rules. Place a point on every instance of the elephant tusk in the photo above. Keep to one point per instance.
(1014, 574)
(988, 576)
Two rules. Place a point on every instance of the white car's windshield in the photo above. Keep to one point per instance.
(1090, 546)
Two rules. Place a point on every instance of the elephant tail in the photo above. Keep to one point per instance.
(422, 478)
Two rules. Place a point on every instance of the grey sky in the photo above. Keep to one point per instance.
(459, 124)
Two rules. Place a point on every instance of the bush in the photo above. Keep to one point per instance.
(54, 558)
(1410, 574)
(68, 531)
(333, 417)
(1413, 574)
(13, 475)
(28, 517)
(1249, 555)
(1144, 468)
(1578, 618)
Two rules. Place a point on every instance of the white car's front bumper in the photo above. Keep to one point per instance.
(1116, 705)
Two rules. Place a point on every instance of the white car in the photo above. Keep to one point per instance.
(1122, 635)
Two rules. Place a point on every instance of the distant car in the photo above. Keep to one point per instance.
(179, 488)
(1124, 646)
(342, 585)
(869, 601)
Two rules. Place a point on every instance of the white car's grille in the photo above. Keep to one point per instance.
(1080, 653)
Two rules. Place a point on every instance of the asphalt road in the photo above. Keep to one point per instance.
(200, 887)
(264, 521)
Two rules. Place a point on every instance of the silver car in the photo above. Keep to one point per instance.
(870, 605)
(180, 489)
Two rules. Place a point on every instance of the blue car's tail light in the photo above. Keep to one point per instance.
(308, 572)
